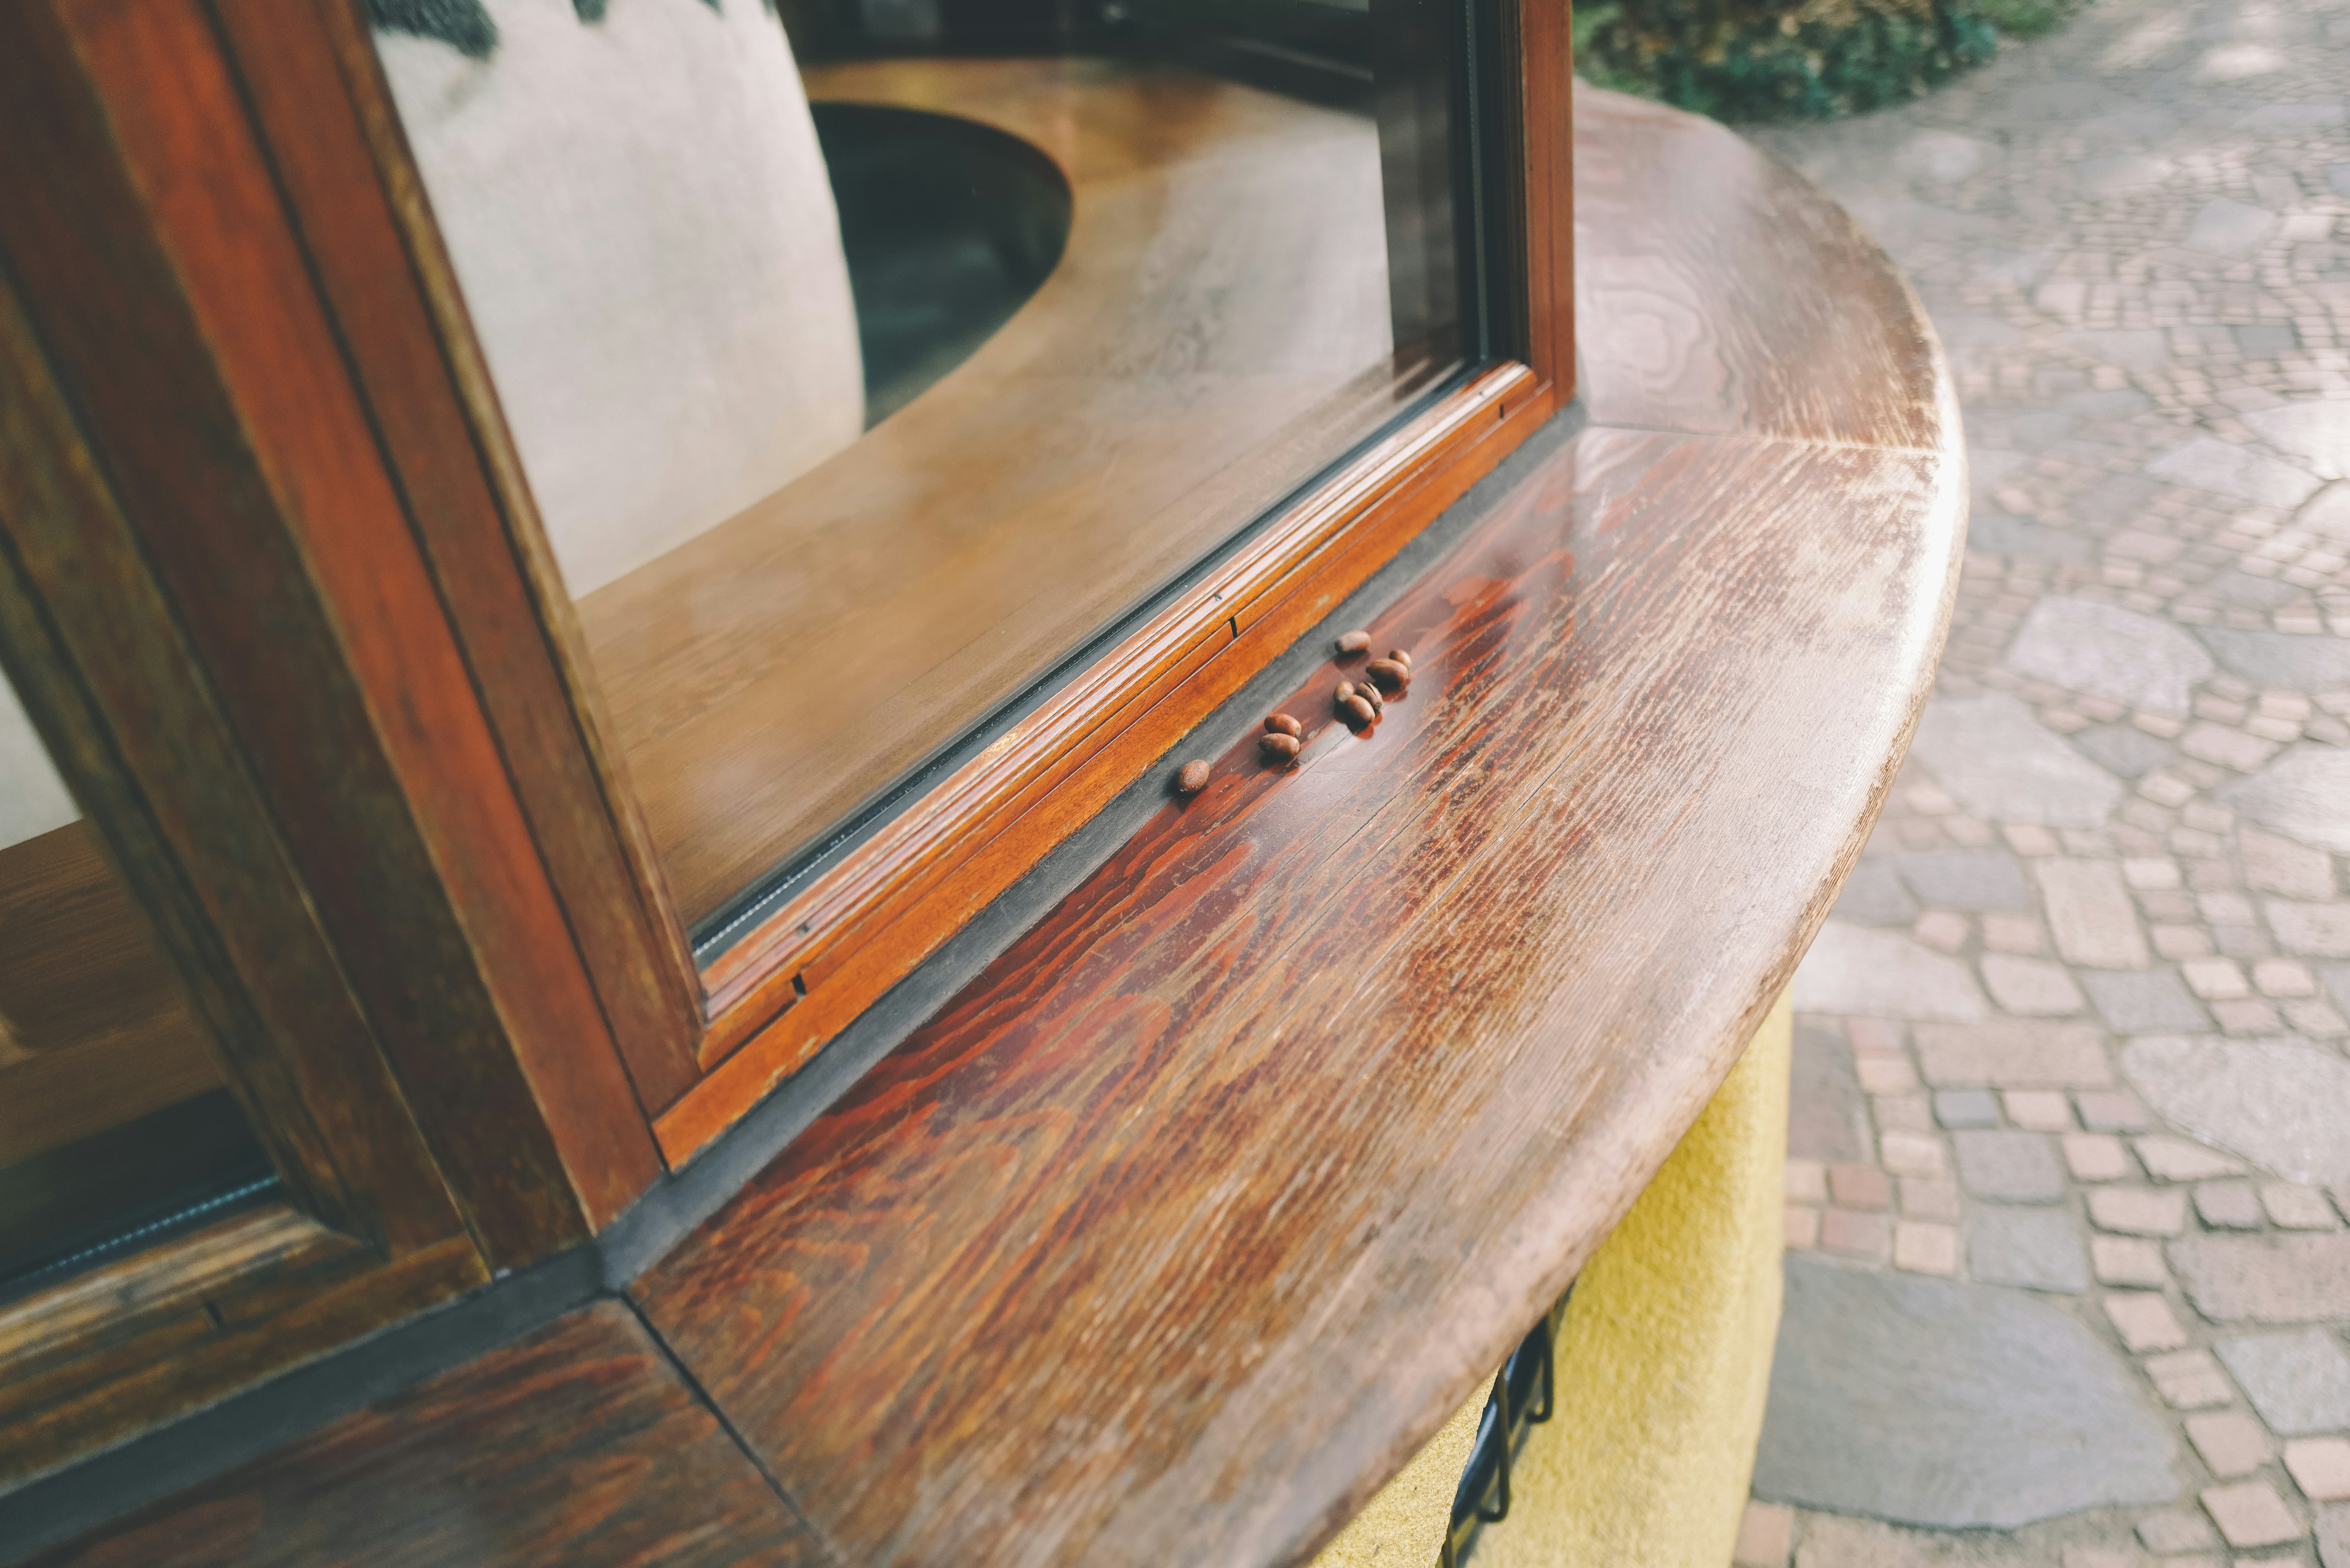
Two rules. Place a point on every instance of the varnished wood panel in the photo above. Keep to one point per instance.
(576, 1448)
(867, 922)
(1182, 1226)
(1229, 1179)
(87, 995)
(461, 482)
(1687, 316)
(146, 229)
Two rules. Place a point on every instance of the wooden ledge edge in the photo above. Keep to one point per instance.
(874, 917)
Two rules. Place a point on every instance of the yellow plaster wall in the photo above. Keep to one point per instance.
(1664, 1361)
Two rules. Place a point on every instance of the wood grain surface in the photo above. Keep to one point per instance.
(1179, 1230)
(576, 1448)
(1192, 1218)
(318, 92)
(86, 994)
(146, 227)
(1216, 332)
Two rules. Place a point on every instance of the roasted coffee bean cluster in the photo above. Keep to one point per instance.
(1362, 702)
(1280, 739)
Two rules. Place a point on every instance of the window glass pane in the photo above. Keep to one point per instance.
(869, 361)
(114, 1122)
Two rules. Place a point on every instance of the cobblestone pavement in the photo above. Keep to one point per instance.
(2069, 1277)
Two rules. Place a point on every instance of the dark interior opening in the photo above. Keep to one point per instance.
(949, 226)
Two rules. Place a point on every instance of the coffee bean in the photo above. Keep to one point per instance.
(1354, 642)
(1276, 747)
(1358, 712)
(1282, 725)
(1400, 657)
(1192, 778)
(1392, 678)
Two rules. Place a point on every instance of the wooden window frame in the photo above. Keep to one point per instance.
(273, 590)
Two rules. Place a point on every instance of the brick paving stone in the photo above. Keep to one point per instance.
(1886, 1075)
(2096, 1157)
(2039, 1248)
(2291, 1207)
(1800, 1228)
(2010, 1166)
(1874, 1036)
(2169, 1159)
(2227, 1205)
(2175, 1530)
(2232, 1444)
(2127, 1261)
(2216, 979)
(1806, 1181)
(1921, 1247)
(2298, 1381)
(2247, 1017)
(2190, 1380)
(1924, 1198)
(1942, 930)
(2320, 1466)
(1902, 1113)
(1829, 1542)
(2145, 1320)
(1966, 1108)
(2292, 1278)
(1859, 1187)
(2031, 987)
(2332, 1532)
(2015, 934)
(2250, 1514)
(2038, 1110)
(2090, 913)
(2099, 1557)
(2111, 1111)
(2012, 1056)
(2283, 978)
(2139, 1211)
(1913, 1154)
(1851, 1235)
(1766, 1534)
(2146, 1002)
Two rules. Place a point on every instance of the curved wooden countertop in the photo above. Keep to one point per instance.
(1176, 1232)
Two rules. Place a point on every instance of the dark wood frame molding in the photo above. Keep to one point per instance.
(273, 587)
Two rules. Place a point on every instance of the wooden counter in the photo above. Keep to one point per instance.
(1176, 1232)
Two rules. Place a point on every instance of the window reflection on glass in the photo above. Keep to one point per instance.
(114, 1123)
(867, 359)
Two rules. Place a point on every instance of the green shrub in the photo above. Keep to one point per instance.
(1812, 59)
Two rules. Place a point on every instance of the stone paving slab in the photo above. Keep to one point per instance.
(1932, 1402)
(2282, 1104)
